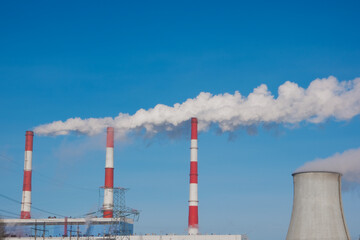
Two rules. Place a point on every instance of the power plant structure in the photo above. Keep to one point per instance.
(107, 225)
(116, 220)
(109, 175)
(317, 212)
(26, 195)
(317, 207)
(193, 228)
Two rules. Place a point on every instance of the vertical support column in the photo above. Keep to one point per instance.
(193, 196)
(26, 196)
(109, 175)
(65, 227)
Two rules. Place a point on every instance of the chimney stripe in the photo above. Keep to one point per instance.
(194, 128)
(193, 172)
(109, 177)
(193, 216)
(27, 181)
(110, 137)
(28, 161)
(29, 140)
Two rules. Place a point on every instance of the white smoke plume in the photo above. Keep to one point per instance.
(347, 163)
(323, 99)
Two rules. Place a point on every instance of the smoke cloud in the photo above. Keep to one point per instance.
(323, 99)
(347, 163)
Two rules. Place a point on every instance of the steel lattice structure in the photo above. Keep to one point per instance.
(119, 227)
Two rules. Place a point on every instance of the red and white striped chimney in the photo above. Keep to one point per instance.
(109, 175)
(26, 196)
(193, 196)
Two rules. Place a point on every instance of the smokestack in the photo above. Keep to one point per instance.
(109, 175)
(26, 196)
(317, 208)
(193, 196)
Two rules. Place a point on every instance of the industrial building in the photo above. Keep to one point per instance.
(154, 237)
(116, 220)
(106, 224)
(317, 212)
(61, 227)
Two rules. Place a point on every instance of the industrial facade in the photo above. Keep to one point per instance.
(61, 227)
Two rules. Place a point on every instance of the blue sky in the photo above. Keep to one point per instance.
(64, 59)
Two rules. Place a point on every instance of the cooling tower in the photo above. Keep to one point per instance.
(317, 208)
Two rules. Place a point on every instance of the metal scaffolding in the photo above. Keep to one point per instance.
(119, 226)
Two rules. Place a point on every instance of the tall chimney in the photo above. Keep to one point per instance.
(109, 175)
(317, 208)
(193, 196)
(26, 196)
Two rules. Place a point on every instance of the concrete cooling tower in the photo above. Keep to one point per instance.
(317, 208)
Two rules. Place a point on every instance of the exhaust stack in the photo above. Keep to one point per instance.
(109, 175)
(317, 209)
(193, 227)
(26, 195)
